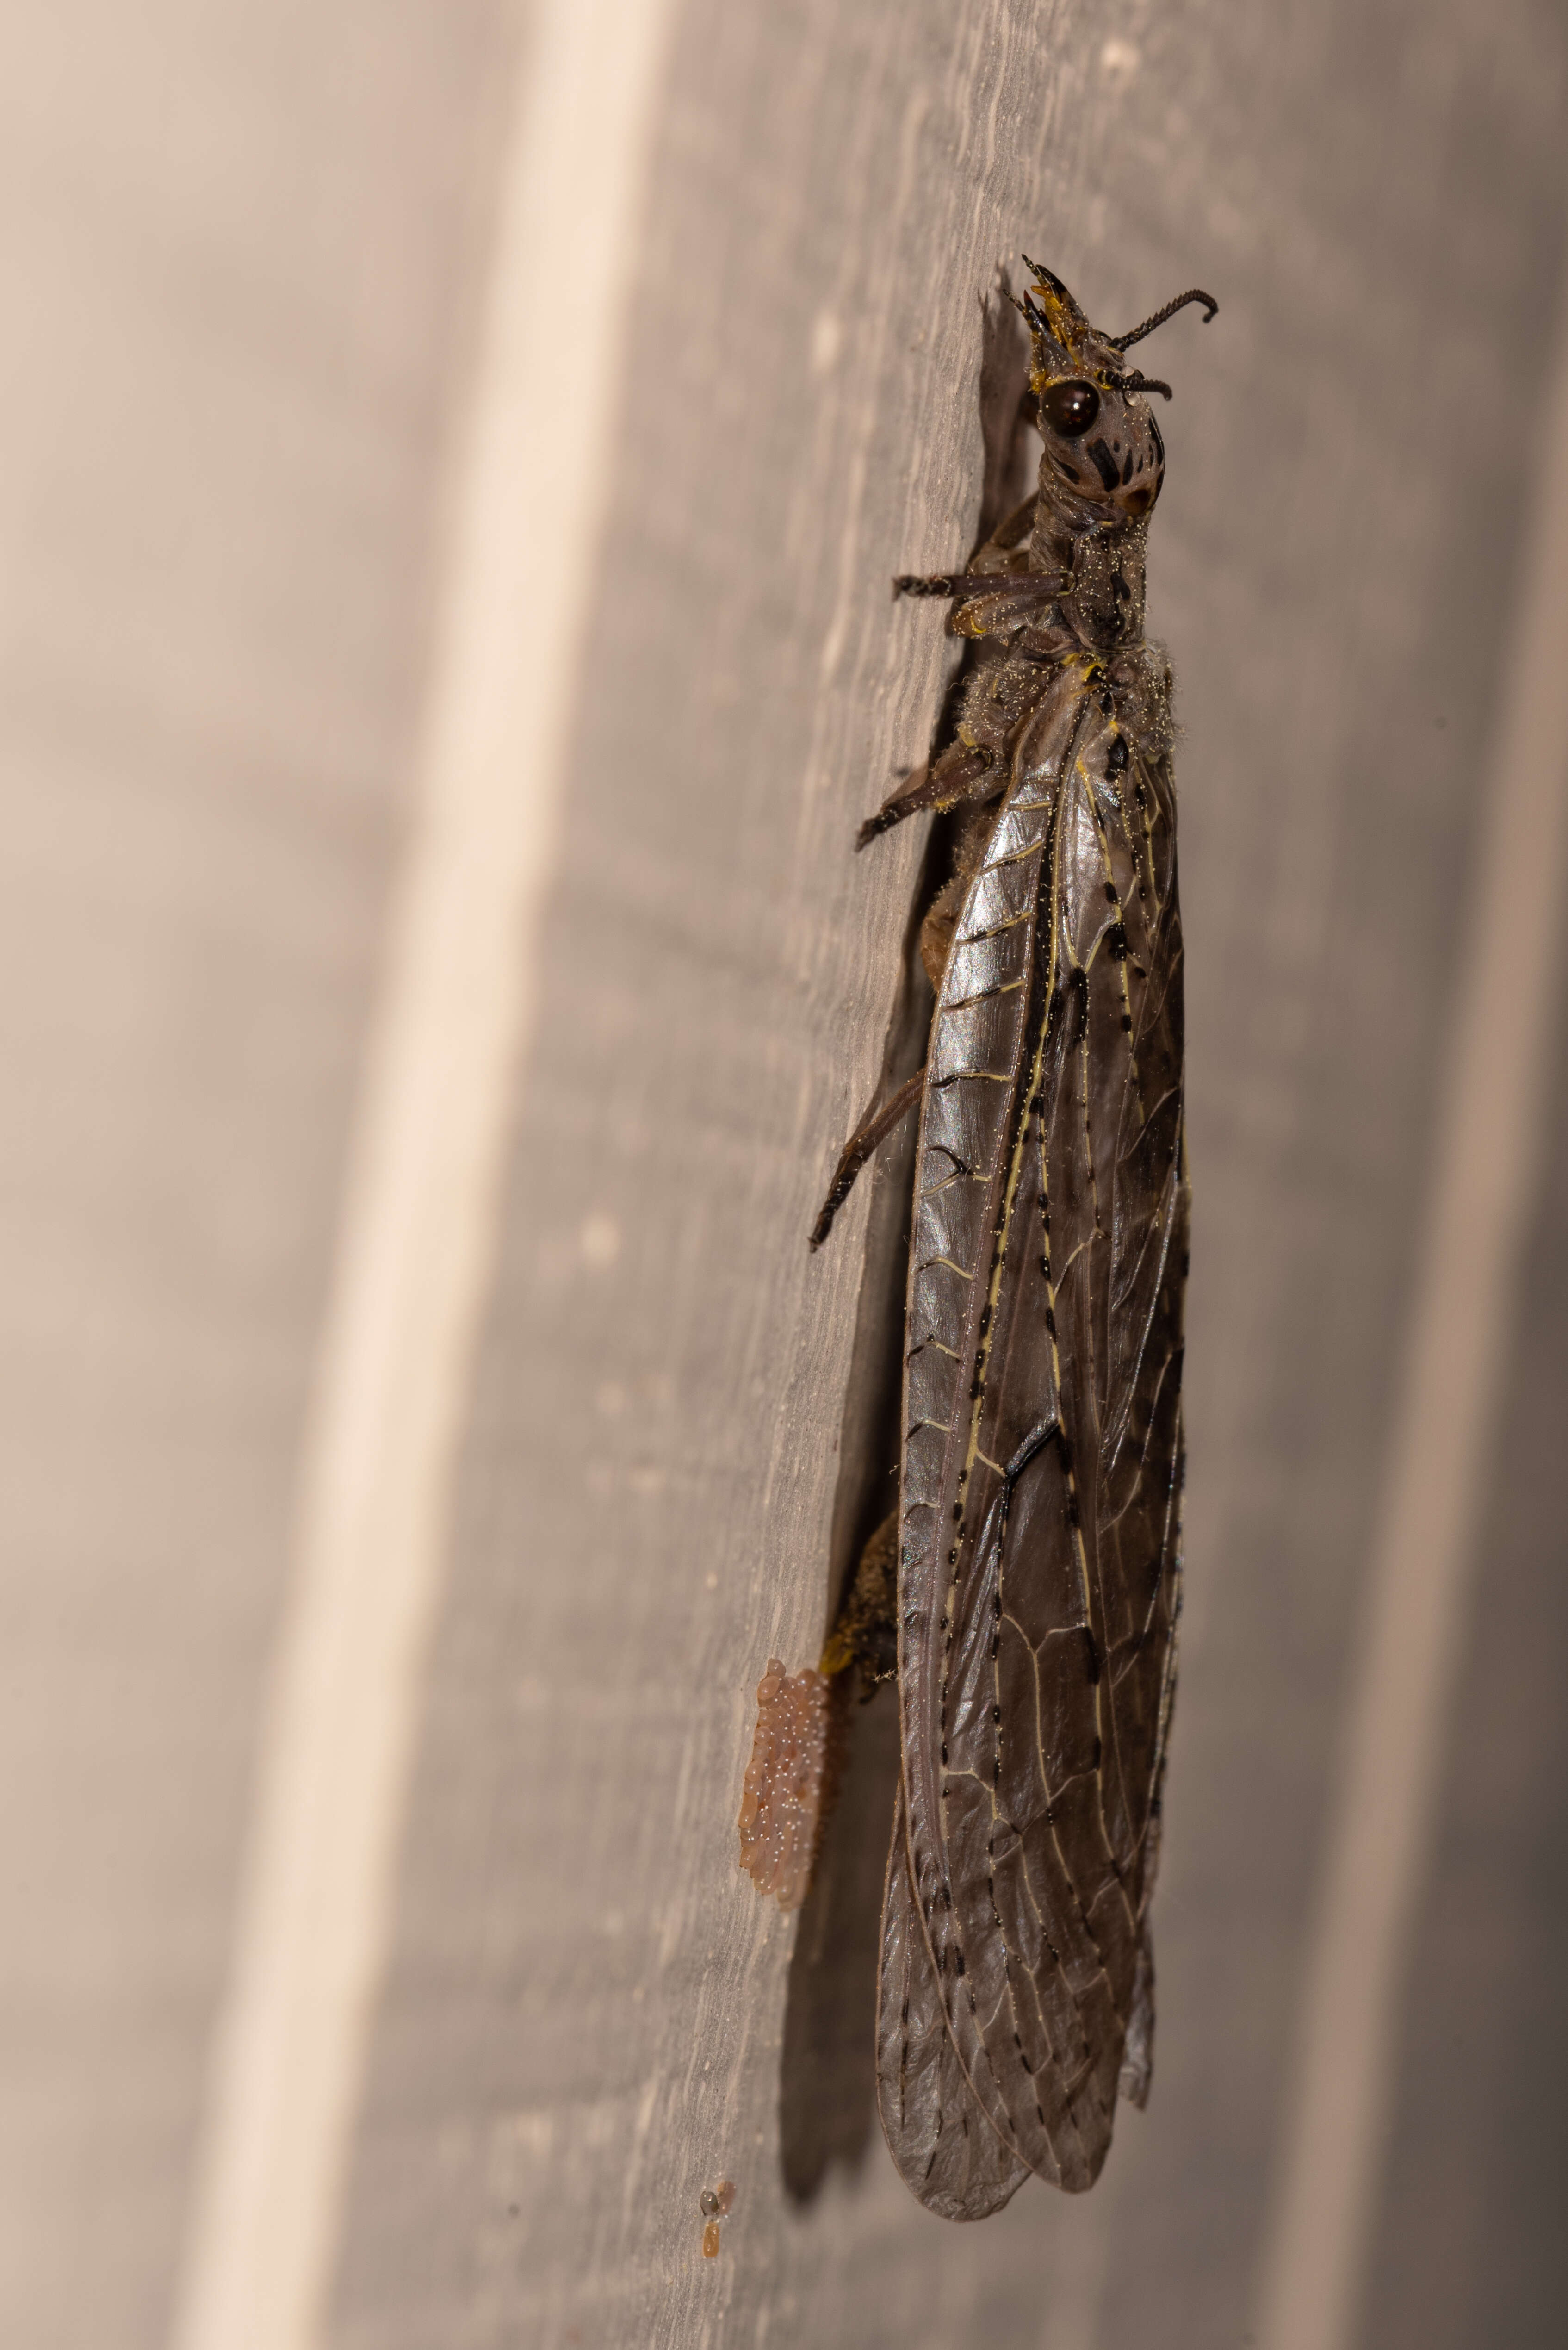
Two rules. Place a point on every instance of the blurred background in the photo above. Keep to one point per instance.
(451, 460)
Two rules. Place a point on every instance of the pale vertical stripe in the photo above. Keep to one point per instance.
(1429, 1543)
(1074, 2276)
(420, 1216)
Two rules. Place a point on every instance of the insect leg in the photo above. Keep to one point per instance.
(1031, 587)
(873, 1129)
(866, 1632)
(959, 774)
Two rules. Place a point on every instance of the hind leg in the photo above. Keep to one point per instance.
(866, 1633)
(874, 1128)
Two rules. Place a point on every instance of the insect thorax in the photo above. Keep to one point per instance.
(1104, 607)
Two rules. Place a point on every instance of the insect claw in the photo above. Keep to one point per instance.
(924, 583)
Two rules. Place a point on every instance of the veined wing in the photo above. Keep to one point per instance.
(936, 2128)
(1040, 1553)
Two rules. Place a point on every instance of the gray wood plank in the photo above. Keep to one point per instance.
(238, 257)
(1470, 2248)
(588, 2014)
(235, 265)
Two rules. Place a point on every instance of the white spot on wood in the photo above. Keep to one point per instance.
(598, 1241)
(826, 341)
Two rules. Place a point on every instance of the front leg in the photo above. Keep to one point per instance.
(991, 559)
(994, 603)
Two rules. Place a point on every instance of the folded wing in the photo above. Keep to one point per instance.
(1040, 1534)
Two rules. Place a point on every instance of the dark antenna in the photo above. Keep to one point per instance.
(1135, 333)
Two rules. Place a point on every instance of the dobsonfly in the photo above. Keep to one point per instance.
(1029, 1581)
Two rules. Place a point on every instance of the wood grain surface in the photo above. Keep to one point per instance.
(243, 256)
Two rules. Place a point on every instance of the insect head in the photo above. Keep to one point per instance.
(1103, 449)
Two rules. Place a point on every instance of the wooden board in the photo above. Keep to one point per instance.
(651, 1488)
(256, 328)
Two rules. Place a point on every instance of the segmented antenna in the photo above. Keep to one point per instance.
(1194, 293)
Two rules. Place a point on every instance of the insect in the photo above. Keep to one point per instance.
(715, 2203)
(1026, 1592)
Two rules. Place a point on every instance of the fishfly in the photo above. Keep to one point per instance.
(1028, 1583)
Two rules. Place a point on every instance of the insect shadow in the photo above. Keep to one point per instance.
(827, 2081)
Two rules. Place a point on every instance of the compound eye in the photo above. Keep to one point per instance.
(1069, 409)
